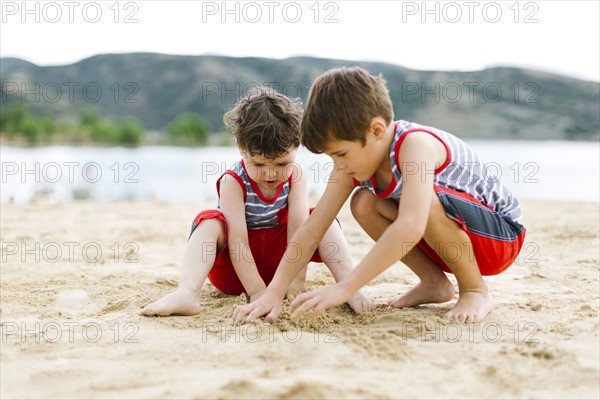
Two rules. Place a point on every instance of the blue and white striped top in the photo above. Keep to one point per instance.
(261, 212)
(463, 171)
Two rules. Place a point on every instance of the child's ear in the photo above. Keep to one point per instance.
(378, 127)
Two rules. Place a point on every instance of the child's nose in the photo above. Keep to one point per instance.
(272, 172)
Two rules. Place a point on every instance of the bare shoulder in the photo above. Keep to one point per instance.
(421, 146)
(232, 205)
(420, 138)
(230, 184)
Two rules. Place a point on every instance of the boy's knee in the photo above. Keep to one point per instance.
(212, 227)
(362, 203)
(213, 224)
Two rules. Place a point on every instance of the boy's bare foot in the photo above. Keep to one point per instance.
(471, 307)
(179, 302)
(424, 293)
(360, 302)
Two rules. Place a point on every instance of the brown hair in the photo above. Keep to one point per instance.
(265, 122)
(341, 104)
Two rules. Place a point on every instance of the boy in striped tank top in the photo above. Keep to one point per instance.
(422, 194)
(263, 200)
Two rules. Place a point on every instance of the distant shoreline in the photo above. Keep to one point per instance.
(23, 143)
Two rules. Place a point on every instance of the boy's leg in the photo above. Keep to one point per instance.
(334, 251)
(441, 233)
(198, 259)
(375, 215)
(474, 301)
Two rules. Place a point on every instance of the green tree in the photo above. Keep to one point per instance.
(189, 129)
(104, 132)
(130, 132)
(3, 121)
(48, 125)
(31, 129)
(89, 119)
(15, 119)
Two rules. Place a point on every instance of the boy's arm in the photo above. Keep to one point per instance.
(297, 214)
(232, 206)
(297, 201)
(418, 158)
(303, 244)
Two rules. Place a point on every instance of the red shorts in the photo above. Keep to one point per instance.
(267, 247)
(496, 240)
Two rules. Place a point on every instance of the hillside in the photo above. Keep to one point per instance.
(154, 88)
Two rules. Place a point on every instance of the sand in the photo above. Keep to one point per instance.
(74, 277)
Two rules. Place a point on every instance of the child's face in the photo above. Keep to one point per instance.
(268, 173)
(353, 159)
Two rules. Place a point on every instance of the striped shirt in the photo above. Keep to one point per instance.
(261, 212)
(463, 171)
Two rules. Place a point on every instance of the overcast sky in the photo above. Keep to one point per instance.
(556, 36)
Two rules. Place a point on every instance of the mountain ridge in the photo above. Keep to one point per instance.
(497, 102)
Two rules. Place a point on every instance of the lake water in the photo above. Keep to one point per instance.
(548, 170)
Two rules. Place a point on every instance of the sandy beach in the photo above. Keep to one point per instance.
(74, 277)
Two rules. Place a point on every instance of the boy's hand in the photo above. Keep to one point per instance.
(360, 302)
(256, 295)
(267, 304)
(296, 287)
(319, 300)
